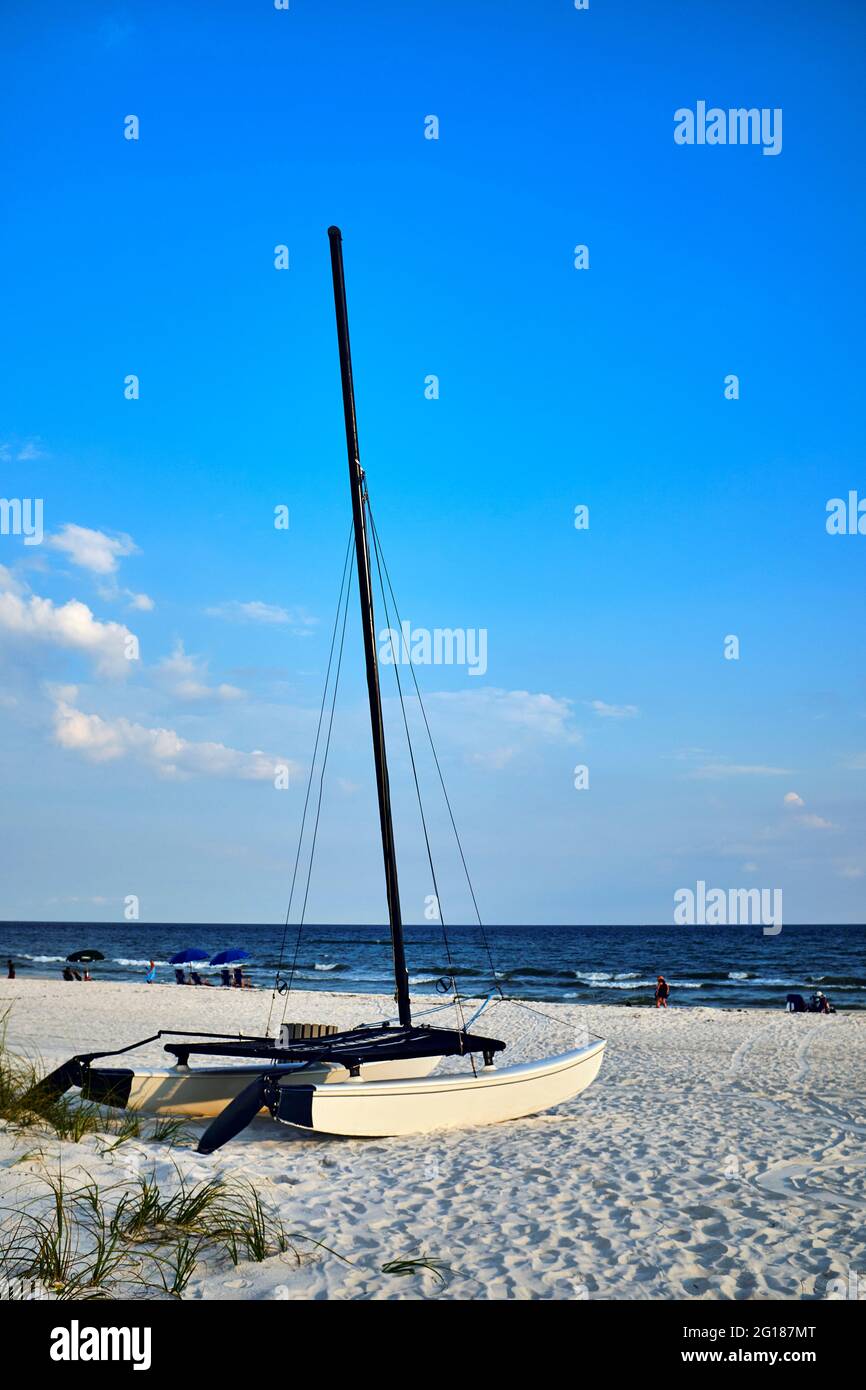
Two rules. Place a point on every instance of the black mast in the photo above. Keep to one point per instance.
(368, 625)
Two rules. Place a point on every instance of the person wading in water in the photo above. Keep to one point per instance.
(663, 989)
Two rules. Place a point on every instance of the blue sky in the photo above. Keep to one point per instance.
(558, 387)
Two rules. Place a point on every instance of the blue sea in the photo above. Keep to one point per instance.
(717, 966)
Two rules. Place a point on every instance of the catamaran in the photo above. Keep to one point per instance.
(369, 1081)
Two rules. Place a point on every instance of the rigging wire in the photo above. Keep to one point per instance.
(377, 553)
(319, 798)
(309, 785)
(503, 997)
(342, 609)
(484, 938)
(560, 1023)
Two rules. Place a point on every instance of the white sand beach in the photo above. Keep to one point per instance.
(719, 1154)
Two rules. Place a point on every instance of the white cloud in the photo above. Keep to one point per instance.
(31, 449)
(100, 554)
(186, 677)
(71, 625)
(163, 750)
(490, 727)
(544, 715)
(269, 614)
(22, 453)
(92, 550)
(94, 900)
(614, 711)
(10, 583)
(808, 819)
(142, 603)
(720, 770)
(493, 760)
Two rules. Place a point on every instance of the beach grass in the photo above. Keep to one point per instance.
(418, 1264)
(135, 1240)
(67, 1116)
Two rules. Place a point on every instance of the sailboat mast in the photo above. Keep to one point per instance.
(368, 626)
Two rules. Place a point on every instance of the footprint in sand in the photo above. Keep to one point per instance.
(782, 1181)
(709, 1252)
(694, 1288)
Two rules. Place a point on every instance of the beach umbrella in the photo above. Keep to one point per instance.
(85, 957)
(230, 957)
(190, 954)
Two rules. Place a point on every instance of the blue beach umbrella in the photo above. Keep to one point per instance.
(229, 957)
(190, 954)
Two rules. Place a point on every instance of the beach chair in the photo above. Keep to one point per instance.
(293, 1032)
(226, 977)
(796, 1004)
(179, 976)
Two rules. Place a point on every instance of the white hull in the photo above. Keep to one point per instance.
(381, 1108)
(202, 1092)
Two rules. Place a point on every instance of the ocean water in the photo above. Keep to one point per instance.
(716, 966)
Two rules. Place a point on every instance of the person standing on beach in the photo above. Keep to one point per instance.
(10, 970)
(663, 989)
(151, 974)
